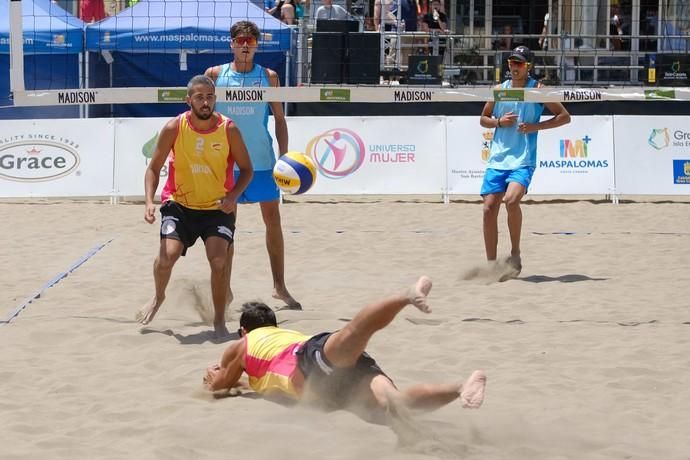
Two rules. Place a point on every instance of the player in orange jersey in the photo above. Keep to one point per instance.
(333, 367)
(199, 195)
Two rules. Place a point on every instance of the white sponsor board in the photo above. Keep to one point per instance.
(574, 159)
(468, 149)
(374, 155)
(652, 155)
(135, 139)
(56, 158)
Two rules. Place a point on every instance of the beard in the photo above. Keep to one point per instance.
(202, 115)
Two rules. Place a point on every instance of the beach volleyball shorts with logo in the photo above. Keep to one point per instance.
(333, 386)
(187, 225)
(262, 188)
(496, 180)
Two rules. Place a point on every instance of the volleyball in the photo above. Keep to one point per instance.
(294, 173)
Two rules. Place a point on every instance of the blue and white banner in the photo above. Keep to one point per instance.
(47, 28)
(190, 25)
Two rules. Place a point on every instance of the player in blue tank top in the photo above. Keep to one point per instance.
(252, 120)
(513, 156)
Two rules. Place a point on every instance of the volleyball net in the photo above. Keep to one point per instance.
(352, 51)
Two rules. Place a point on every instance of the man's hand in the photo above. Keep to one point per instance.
(210, 376)
(228, 203)
(526, 128)
(150, 213)
(508, 119)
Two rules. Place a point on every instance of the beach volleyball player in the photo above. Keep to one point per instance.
(199, 196)
(252, 121)
(513, 156)
(333, 367)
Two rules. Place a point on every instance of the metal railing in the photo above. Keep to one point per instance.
(471, 59)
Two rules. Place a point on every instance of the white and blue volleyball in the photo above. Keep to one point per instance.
(294, 173)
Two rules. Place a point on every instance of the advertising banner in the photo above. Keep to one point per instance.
(135, 139)
(376, 155)
(56, 158)
(574, 159)
(468, 150)
(652, 155)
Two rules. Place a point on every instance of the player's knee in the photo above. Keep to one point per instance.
(217, 262)
(166, 260)
(491, 209)
(512, 202)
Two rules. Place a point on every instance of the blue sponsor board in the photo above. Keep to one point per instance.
(681, 172)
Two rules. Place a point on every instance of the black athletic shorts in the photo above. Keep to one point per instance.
(332, 385)
(187, 225)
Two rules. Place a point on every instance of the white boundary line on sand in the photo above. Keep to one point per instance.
(52, 282)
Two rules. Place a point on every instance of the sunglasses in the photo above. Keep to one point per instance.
(241, 41)
(516, 63)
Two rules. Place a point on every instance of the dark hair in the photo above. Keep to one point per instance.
(199, 80)
(244, 27)
(256, 315)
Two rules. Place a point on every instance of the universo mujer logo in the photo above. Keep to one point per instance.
(337, 152)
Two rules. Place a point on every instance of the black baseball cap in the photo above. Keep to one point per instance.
(520, 54)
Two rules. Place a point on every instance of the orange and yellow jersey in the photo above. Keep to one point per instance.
(270, 360)
(199, 164)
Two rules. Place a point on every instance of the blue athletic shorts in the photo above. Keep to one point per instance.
(261, 188)
(496, 180)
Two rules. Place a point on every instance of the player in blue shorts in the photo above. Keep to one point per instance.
(513, 156)
(252, 120)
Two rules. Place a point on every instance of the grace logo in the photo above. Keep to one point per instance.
(37, 161)
(659, 138)
(337, 152)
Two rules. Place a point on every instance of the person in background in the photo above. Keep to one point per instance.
(513, 156)
(91, 10)
(436, 21)
(252, 120)
(618, 29)
(505, 43)
(330, 11)
(284, 11)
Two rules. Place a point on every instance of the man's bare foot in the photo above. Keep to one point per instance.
(220, 331)
(148, 311)
(515, 261)
(418, 292)
(284, 295)
(472, 393)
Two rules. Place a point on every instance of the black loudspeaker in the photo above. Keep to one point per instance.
(364, 58)
(336, 25)
(327, 57)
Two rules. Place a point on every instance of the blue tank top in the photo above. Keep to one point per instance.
(510, 149)
(250, 117)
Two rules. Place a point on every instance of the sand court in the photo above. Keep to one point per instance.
(586, 353)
